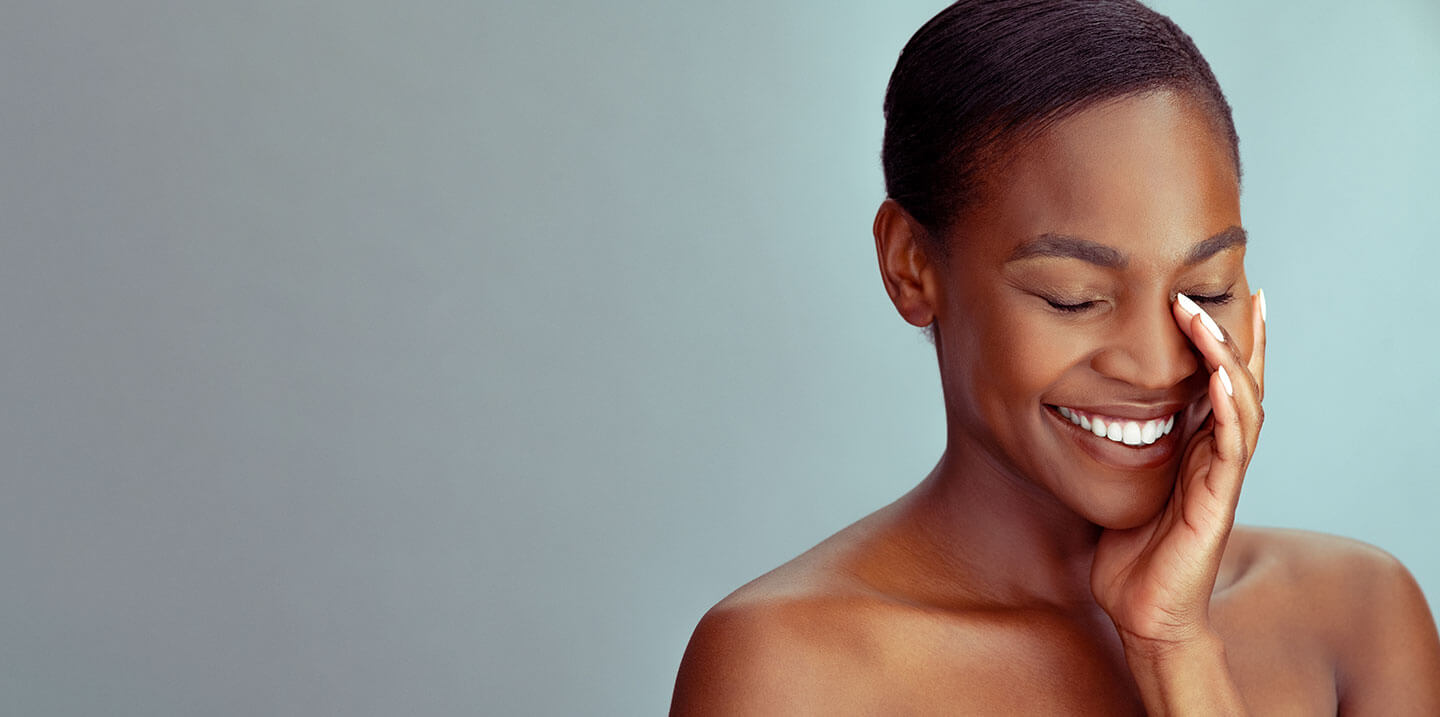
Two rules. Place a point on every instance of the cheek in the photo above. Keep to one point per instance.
(1034, 350)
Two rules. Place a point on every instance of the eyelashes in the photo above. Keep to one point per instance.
(1214, 300)
(1071, 308)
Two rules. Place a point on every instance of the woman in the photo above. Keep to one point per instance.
(1063, 215)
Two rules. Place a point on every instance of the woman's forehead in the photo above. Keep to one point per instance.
(1145, 173)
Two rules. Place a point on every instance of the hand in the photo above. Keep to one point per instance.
(1155, 581)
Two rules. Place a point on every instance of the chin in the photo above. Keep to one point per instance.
(1126, 509)
(1126, 521)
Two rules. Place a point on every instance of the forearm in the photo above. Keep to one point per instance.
(1191, 678)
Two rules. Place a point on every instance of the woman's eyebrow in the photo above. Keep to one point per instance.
(1230, 237)
(1071, 247)
(1062, 245)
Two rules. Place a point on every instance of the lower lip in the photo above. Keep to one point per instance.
(1120, 455)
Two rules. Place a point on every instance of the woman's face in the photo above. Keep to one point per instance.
(1056, 294)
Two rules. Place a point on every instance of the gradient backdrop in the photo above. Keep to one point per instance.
(366, 358)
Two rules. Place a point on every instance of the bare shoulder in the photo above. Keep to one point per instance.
(1304, 559)
(760, 657)
(841, 649)
(820, 635)
(1343, 588)
(1331, 572)
(824, 634)
(801, 639)
(1343, 598)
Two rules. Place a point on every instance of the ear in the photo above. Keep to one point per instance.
(905, 267)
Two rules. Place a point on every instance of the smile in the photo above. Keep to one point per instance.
(1120, 430)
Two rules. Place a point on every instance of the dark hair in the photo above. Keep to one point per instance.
(985, 74)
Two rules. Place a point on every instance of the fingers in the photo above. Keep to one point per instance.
(1257, 352)
(1219, 350)
(1232, 428)
(1231, 450)
(1190, 315)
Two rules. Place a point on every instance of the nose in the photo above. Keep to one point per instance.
(1148, 350)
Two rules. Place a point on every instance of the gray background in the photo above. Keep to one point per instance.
(436, 358)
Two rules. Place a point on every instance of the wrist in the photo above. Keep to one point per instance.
(1189, 676)
(1196, 642)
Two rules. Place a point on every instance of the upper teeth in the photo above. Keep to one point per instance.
(1121, 430)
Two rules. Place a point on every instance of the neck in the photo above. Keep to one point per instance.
(1008, 539)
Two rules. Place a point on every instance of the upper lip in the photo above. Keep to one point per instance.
(1130, 411)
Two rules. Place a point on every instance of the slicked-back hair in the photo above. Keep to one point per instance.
(984, 75)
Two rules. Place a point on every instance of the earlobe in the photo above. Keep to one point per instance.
(905, 267)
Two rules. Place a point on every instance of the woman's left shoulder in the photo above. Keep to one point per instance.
(1335, 576)
(1358, 601)
(1305, 559)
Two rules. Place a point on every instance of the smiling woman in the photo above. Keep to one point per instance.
(1064, 217)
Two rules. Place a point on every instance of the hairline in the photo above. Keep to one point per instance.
(1003, 141)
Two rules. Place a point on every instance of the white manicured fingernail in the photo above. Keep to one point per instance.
(1225, 381)
(1187, 304)
(1261, 292)
(1212, 326)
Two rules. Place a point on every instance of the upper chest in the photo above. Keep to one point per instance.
(1042, 664)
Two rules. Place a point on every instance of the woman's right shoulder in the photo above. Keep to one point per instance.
(813, 637)
(768, 650)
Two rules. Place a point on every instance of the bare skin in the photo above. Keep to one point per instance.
(1040, 568)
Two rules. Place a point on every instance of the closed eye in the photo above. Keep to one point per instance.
(1075, 308)
(1216, 300)
(1072, 308)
